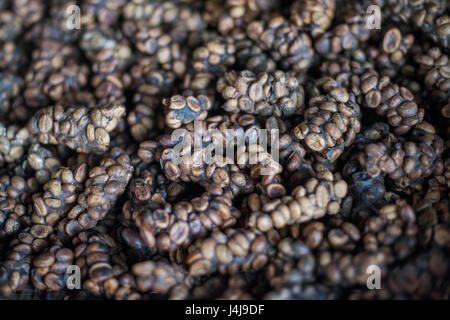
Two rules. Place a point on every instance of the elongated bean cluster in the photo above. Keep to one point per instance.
(224, 149)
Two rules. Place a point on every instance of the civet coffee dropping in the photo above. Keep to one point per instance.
(237, 149)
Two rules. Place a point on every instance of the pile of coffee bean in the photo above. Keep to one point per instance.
(99, 100)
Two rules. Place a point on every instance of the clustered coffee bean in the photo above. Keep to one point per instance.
(332, 119)
(230, 17)
(345, 36)
(14, 203)
(105, 183)
(13, 140)
(82, 129)
(10, 86)
(320, 195)
(250, 56)
(412, 159)
(162, 278)
(314, 15)
(430, 17)
(152, 85)
(293, 264)
(288, 46)
(102, 265)
(434, 66)
(215, 56)
(50, 268)
(266, 94)
(44, 161)
(392, 52)
(355, 171)
(43, 82)
(230, 251)
(182, 110)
